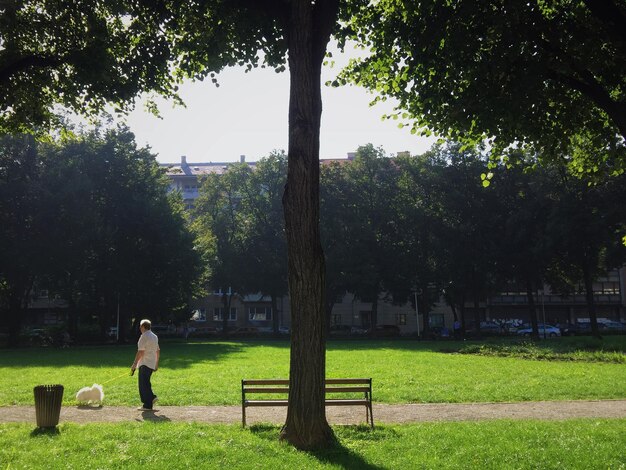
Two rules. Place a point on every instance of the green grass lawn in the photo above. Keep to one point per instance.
(209, 372)
(403, 371)
(574, 444)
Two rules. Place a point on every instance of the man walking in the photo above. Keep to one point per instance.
(147, 360)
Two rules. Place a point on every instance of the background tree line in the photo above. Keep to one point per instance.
(88, 218)
(425, 223)
(543, 77)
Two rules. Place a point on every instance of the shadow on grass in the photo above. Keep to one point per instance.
(48, 432)
(562, 344)
(154, 418)
(338, 454)
(582, 349)
(179, 355)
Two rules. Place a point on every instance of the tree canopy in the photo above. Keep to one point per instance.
(85, 54)
(547, 76)
(135, 47)
(90, 220)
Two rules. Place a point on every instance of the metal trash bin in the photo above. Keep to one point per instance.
(48, 399)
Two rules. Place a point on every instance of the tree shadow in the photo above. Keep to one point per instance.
(396, 344)
(337, 454)
(180, 355)
(48, 432)
(154, 418)
(565, 344)
(89, 407)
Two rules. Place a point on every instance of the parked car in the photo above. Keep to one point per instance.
(570, 329)
(491, 327)
(544, 330)
(583, 328)
(486, 328)
(612, 327)
(439, 332)
(382, 331)
(37, 336)
(357, 330)
(284, 330)
(339, 330)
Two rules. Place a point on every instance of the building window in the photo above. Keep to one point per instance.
(401, 319)
(218, 314)
(336, 320)
(606, 287)
(199, 315)
(260, 313)
(436, 320)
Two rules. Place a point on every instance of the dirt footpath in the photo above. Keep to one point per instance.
(549, 410)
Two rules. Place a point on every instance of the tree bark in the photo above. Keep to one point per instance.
(307, 34)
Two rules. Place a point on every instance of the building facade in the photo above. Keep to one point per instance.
(349, 312)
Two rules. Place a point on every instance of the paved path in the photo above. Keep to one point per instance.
(553, 410)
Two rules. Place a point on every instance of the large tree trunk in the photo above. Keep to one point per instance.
(308, 31)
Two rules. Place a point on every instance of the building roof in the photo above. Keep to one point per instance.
(199, 169)
(194, 169)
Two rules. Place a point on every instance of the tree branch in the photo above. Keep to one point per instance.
(611, 15)
(593, 90)
(25, 63)
(324, 20)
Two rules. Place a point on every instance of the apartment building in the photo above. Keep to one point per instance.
(186, 177)
(348, 311)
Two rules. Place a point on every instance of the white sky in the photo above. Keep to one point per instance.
(247, 115)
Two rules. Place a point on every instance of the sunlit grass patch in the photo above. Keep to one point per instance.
(575, 444)
(210, 373)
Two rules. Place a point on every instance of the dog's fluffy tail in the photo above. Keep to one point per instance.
(99, 387)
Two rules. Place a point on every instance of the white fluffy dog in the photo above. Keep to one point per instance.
(88, 395)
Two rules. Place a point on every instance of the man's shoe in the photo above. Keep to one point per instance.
(143, 408)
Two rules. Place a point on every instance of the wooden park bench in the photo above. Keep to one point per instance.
(339, 392)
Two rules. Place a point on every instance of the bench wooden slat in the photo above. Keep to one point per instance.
(348, 381)
(267, 389)
(329, 402)
(265, 381)
(267, 402)
(335, 385)
(347, 389)
(342, 402)
(286, 389)
(286, 381)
